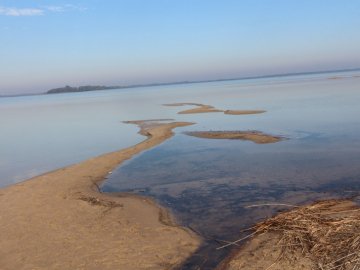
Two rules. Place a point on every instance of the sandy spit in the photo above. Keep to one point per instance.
(240, 112)
(200, 108)
(254, 136)
(59, 220)
(203, 108)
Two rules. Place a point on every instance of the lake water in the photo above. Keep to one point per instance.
(206, 183)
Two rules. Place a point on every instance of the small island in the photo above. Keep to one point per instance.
(251, 135)
(70, 89)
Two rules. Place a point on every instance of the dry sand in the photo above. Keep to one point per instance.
(262, 253)
(254, 136)
(323, 236)
(59, 220)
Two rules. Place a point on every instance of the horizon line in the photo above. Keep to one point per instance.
(200, 81)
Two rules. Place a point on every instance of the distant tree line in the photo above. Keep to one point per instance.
(84, 88)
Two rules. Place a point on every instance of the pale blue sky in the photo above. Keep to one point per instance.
(46, 44)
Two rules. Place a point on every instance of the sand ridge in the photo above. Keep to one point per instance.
(200, 108)
(203, 108)
(251, 135)
(240, 112)
(59, 220)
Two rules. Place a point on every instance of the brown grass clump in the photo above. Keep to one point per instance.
(327, 232)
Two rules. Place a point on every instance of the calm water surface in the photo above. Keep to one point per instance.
(206, 183)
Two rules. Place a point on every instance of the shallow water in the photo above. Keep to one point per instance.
(208, 183)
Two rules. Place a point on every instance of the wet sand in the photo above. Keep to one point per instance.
(240, 112)
(60, 220)
(200, 108)
(254, 136)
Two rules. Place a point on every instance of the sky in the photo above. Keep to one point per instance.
(48, 43)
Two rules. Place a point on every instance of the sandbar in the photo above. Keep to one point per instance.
(336, 77)
(240, 112)
(60, 220)
(203, 108)
(254, 136)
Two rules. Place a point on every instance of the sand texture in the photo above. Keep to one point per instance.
(59, 220)
(262, 253)
(254, 136)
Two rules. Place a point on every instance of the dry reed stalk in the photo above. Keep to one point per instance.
(327, 232)
(321, 231)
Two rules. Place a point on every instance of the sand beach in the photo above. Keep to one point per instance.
(60, 220)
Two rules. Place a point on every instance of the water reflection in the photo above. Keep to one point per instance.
(45, 132)
(209, 183)
(206, 180)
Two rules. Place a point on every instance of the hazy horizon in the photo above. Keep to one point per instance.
(48, 44)
(144, 84)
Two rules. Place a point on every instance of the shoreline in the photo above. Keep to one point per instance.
(49, 218)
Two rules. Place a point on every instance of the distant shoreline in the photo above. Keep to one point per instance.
(183, 82)
(96, 88)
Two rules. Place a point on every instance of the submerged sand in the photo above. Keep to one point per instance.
(200, 108)
(240, 112)
(254, 136)
(60, 220)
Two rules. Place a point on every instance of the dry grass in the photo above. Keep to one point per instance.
(326, 232)
(100, 202)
